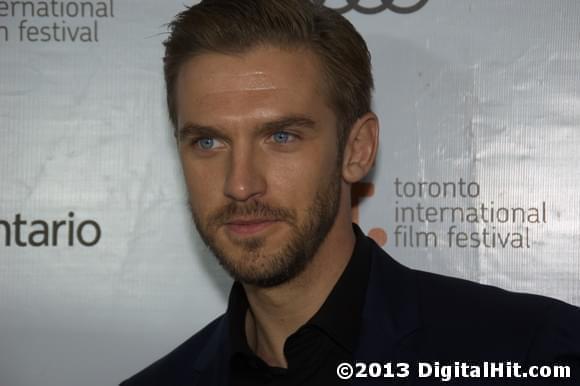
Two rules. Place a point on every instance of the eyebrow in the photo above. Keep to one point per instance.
(191, 129)
(288, 121)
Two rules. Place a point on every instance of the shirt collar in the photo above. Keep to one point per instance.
(340, 315)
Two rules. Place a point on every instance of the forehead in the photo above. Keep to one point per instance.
(265, 75)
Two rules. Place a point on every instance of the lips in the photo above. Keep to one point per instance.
(245, 227)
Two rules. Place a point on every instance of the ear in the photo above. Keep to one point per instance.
(361, 148)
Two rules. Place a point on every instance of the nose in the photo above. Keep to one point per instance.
(245, 179)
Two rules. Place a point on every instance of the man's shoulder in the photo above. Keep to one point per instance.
(181, 363)
(462, 318)
(455, 315)
(458, 318)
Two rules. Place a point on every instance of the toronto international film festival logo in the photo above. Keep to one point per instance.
(369, 10)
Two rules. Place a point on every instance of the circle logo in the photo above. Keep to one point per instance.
(369, 10)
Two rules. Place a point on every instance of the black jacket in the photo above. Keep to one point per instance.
(410, 317)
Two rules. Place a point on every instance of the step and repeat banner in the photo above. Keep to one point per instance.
(101, 270)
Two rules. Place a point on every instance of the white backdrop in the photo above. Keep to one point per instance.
(101, 271)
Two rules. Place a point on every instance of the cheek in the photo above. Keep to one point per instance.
(203, 183)
(297, 179)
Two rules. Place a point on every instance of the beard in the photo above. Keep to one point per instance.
(257, 268)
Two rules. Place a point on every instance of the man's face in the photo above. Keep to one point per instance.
(258, 145)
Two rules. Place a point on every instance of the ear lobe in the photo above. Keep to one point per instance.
(361, 148)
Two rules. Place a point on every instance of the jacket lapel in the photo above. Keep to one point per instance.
(390, 317)
(211, 366)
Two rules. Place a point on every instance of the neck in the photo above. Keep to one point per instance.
(275, 313)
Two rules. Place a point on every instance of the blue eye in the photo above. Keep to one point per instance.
(281, 137)
(206, 143)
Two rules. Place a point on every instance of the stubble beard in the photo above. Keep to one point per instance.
(252, 266)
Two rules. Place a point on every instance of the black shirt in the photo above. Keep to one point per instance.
(314, 350)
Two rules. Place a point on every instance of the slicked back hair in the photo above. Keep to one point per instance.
(237, 26)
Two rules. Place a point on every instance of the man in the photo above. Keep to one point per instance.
(270, 100)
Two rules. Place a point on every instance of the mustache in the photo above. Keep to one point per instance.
(254, 209)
